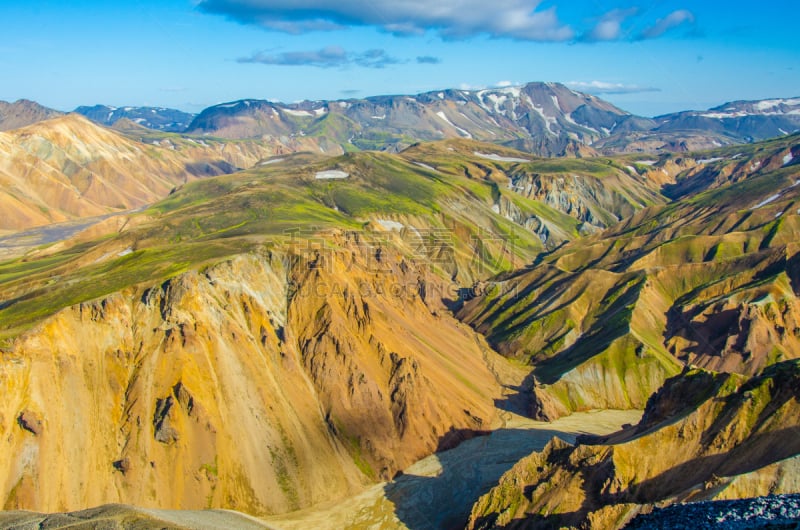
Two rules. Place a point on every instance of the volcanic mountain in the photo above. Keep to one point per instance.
(267, 341)
(732, 123)
(543, 118)
(690, 309)
(746, 120)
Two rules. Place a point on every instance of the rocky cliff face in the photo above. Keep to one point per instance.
(559, 200)
(598, 200)
(700, 436)
(264, 383)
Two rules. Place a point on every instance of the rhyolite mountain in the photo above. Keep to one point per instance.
(68, 168)
(263, 341)
(157, 118)
(690, 310)
(286, 336)
(708, 279)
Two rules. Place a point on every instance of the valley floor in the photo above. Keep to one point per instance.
(16, 244)
(118, 516)
(438, 491)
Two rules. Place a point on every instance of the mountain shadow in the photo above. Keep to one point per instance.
(438, 493)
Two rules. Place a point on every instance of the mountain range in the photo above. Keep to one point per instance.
(546, 119)
(157, 118)
(543, 118)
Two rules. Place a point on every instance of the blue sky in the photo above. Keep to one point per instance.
(648, 57)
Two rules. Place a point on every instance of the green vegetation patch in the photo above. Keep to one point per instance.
(99, 280)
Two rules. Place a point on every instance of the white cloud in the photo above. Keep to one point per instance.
(673, 20)
(609, 26)
(603, 87)
(468, 87)
(517, 19)
(328, 57)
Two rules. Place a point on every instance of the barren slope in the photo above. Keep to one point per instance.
(703, 436)
(67, 168)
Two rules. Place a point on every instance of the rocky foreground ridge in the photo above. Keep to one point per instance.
(778, 512)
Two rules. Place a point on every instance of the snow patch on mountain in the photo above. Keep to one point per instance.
(425, 166)
(331, 174)
(772, 103)
(293, 112)
(773, 198)
(444, 118)
(498, 158)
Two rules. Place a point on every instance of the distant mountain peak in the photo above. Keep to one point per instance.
(23, 112)
(157, 118)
